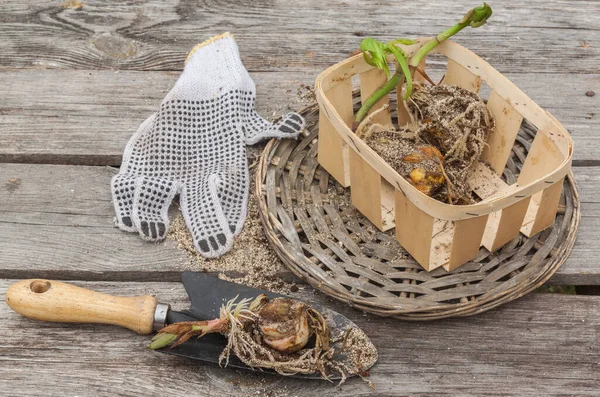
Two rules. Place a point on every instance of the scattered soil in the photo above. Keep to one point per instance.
(360, 352)
(422, 165)
(306, 95)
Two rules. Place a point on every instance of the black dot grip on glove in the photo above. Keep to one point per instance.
(194, 146)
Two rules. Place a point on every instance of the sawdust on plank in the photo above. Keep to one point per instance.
(73, 4)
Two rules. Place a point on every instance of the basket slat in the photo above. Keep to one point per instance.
(367, 192)
(369, 82)
(388, 205)
(456, 74)
(542, 209)
(502, 139)
(333, 151)
(403, 117)
(441, 244)
(468, 234)
(543, 157)
(504, 225)
(485, 183)
(414, 228)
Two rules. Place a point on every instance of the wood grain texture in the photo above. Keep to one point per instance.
(283, 35)
(539, 345)
(61, 217)
(57, 222)
(86, 117)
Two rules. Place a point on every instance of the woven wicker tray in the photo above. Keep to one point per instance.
(323, 239)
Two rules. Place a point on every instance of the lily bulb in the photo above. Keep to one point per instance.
(284, 326)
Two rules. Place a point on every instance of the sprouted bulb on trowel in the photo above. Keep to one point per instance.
(265, 333)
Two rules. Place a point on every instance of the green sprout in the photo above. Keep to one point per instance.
(375, 54)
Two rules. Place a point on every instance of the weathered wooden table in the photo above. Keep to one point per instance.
(76, 79)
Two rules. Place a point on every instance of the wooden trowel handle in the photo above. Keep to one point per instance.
(65, 303)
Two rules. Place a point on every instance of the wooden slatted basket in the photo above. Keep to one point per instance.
(434, 233)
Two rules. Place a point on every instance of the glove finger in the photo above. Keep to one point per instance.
(151, 201)
(289, 126)
(205, 218)
(134, 148)
(122, 188)
(233, 195)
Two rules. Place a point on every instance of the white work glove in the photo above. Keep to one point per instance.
(195, 146)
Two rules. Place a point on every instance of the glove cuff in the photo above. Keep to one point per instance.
(219, 54)
(212, 68)
(226, 39)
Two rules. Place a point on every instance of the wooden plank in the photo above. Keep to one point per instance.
(542, 344)
(156, 34)
(57, 222)
(61, 218)
(86, 117)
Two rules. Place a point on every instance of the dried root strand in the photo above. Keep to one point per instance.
(460, 123)
(363, 130)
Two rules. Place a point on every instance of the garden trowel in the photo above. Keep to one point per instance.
(60, 302)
